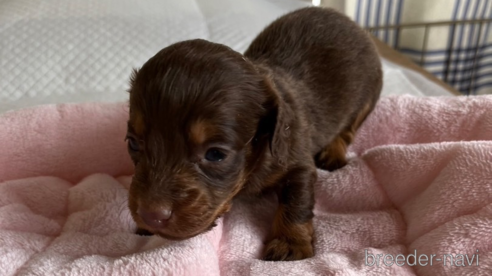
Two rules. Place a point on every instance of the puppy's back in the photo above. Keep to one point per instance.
(333, 62)
(313, 39)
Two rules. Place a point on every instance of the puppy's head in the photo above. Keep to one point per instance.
(197, 112)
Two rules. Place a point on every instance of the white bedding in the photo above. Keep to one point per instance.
(55, 51)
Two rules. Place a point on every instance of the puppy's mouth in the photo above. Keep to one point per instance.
(182, 236)
(182, 225)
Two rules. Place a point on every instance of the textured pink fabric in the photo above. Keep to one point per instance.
(419, 178)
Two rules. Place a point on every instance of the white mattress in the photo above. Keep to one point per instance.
(54, 51)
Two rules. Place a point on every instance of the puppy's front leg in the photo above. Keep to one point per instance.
(292, 231)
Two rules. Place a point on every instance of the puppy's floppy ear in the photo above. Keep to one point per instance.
(276, 123)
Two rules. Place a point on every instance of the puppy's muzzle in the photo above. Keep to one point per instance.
(157, 218)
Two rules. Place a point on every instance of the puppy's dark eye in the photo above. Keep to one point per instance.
(215, 155)
(132, 144)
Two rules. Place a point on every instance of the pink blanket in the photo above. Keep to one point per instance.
(415, 199)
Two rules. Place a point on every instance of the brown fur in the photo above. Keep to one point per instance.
(291, 103)
(332, 157)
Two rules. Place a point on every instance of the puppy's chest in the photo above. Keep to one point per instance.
(261, 180)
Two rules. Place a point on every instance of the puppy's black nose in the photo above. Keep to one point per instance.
(155, 218)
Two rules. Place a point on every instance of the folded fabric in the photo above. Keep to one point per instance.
(418, 186)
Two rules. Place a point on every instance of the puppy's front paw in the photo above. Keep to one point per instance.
(281, 249)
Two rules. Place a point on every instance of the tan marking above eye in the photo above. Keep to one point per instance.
(200, 131)
(138, 123)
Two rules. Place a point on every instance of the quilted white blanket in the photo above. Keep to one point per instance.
(56, 51)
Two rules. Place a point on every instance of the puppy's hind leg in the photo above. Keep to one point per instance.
(333, 156)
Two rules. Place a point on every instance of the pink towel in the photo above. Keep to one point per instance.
(419, 182)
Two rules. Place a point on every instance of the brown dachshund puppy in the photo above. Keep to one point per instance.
(208, 124)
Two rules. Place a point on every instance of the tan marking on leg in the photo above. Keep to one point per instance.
(333, 156)
(290, 240)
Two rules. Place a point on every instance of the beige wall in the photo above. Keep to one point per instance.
(336, 4)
